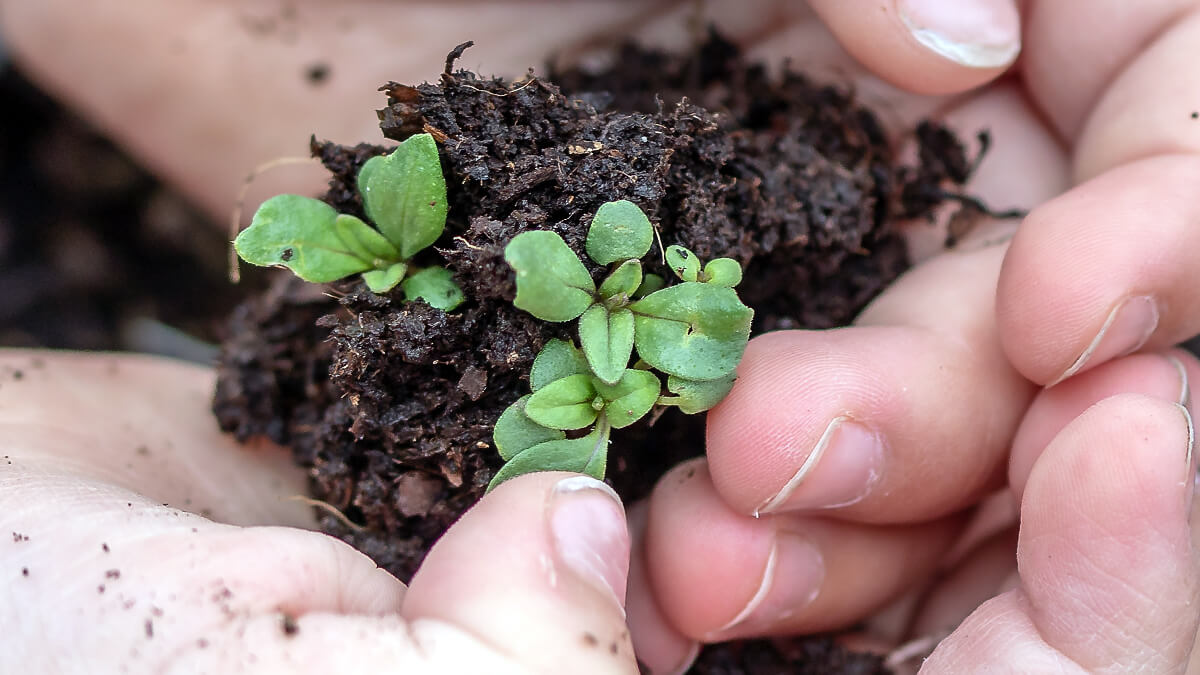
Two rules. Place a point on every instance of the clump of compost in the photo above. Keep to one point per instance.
(391, 404)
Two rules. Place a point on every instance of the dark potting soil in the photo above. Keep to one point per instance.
(391, 404)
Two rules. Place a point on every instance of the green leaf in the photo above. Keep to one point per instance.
(625, 280)
(404, 194)
(607, 341)
(434, 285)
(683, 262)
(552, 284)
(384, 280)
(364, 242)
(723, 272)
(630, 398)
(515, 432)
(558, 359)
(588, 454)
(697, 396)
(564, 403)
(692, 330)
(308, 237)
(619, 231)
(652, 282)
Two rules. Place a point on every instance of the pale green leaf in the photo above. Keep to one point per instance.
(384, 280)
(630, 398)
(588, 454)
(692, 330)
(563, 404)
(652, 282)
(624, 281)
(436, 286)
(552, 284)
(619, 231)
(723, 272)
(306, 236)
(683, 263)
(515, 432)
(607, 341)
(697, 396)
(365, 242)
(404, 194)
(558, 359)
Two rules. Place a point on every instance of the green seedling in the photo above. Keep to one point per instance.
(404, 195)
(694, 332)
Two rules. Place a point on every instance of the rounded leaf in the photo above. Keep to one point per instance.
(588, 454)
(515, 432)
(692, 330)
(404, 194)
(436, 286)
(723, 272)
(552, 284)
(683, 262)
(630, 398)
(308, 237)
(619, 231)
(695, 395)
(384, 280)
(607, 341)
(558, 359)
(564, 403)
(624, 281)
(652, 282)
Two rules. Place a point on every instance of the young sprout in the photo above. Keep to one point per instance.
(404, 195)
(694, 332)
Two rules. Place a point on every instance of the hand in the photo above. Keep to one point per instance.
(106, 570)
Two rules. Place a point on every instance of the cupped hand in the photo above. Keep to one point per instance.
(107, 460)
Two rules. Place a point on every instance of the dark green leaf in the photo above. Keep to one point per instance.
(434, 285)
(630, 398)
(692, 330)
(563, 404)
(515, 432)
(651, 282)
(384, 280)
(683, 262)
(723, 272)
(697, 396)
(552, 284)
(624, 281)
(558, 359)
(582, 455)
(619, 231)
(607, 341)
(308, 237)
(404, 194)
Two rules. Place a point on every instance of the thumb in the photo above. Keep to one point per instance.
(537, 570)
(927, 46)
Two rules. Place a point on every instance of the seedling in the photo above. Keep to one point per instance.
(404, 195)
(694, 332)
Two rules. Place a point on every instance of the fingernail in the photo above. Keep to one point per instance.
(1185, 388)
(840, 470)
(1125, 330)
(685, 664)
(791, 580)
(587, 524)
(1189, 480)
(973, 33)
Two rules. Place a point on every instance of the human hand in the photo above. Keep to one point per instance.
(106, 458)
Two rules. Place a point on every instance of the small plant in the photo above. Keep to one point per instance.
(404, 195)
(694, 332)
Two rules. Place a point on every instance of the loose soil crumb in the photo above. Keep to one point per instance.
(391, 404)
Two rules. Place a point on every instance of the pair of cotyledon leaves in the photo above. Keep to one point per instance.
(404, 195)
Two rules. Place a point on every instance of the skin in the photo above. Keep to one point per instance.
(946, 368)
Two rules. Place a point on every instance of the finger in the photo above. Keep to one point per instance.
(538, 570)
(928, 46)
(1108, 572)
(718, 574)
(1077, 289)
(1169, 376)
(144, 424)
(660, 648)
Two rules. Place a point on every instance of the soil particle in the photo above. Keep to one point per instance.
(17, 537)
(112, 574)
(24, 571)
(288, 625)
(104, 547)
(390, 404)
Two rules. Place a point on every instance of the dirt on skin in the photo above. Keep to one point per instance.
(391, 404)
